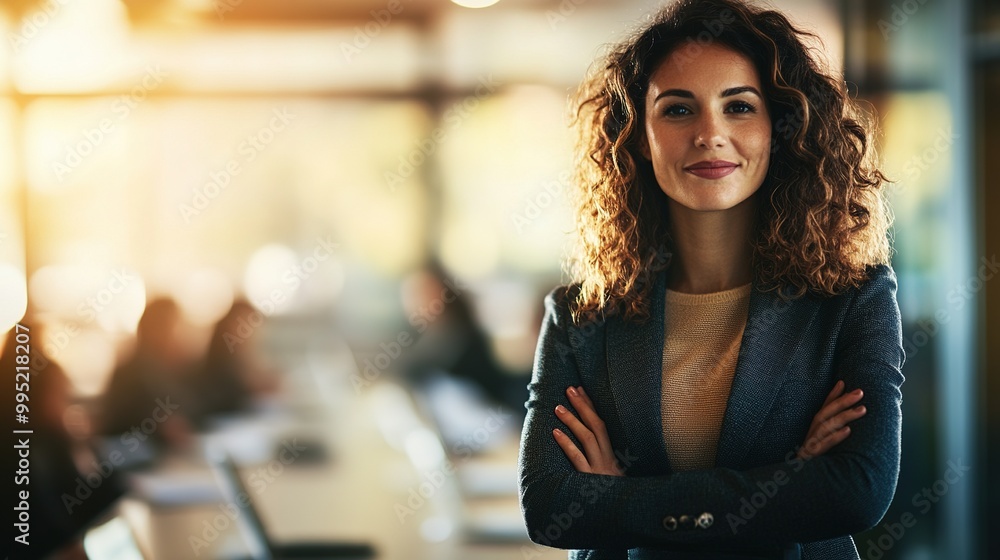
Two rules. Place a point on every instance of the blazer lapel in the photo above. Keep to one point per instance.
(770, 339)
(635, 375)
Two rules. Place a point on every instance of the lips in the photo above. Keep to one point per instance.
(715, 169)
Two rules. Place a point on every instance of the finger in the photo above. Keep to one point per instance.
(838, 389)
(583, 434)
(842, 419)
(848, 399)
(586, 397)
(607, 462)
(839, 404)
(822, 443)
(573, 453)
(609, 458)
(833, 439)
(816, 446)
(837, 422)
(585, 408)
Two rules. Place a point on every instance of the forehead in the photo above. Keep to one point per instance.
(691, 67)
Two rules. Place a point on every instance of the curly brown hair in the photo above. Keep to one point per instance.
(827, 219)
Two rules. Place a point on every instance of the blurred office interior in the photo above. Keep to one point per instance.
(371, 196)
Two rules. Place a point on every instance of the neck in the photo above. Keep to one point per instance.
(712, 250)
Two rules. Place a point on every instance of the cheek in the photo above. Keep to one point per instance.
(663, 145)
(757, 142)
(652, 142)
(645, 145)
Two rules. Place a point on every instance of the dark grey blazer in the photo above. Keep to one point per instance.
(759, 496)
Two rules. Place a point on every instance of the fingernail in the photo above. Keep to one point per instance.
(859, 392)
(557, 432)
(560, 408)
(862, 409)
(572, 391)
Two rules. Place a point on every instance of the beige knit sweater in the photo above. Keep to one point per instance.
(702, 342)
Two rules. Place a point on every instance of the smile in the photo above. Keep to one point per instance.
(712, 169)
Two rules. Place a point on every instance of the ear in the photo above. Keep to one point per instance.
(644, 147)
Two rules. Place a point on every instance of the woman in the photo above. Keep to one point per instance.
(727, 369)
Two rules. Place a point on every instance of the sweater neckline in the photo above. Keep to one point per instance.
(732, 294)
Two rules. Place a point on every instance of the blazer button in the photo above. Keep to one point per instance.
(704, 520)
(670, 522)
(685, 522)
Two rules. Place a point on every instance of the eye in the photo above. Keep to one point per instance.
(676, 111)
(741, 107)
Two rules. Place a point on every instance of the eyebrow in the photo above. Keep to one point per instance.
(725, 93)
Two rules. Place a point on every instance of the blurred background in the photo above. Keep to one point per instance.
(296, 251)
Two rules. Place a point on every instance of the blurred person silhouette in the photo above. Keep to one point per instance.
(149, 401)
(232, 371)
(450, 339)
(70, 485)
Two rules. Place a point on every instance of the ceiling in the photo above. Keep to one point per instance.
(283, 11)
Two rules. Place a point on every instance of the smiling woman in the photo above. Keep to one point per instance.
(723, 381)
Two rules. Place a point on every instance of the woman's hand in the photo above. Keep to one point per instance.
(597, 456)
(829, 426)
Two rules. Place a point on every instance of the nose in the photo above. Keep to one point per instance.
(710, 133)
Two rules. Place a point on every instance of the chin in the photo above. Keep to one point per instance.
(714, 207)
(711, 203)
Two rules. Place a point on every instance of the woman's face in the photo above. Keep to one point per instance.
(708, 132)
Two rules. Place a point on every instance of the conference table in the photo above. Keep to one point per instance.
(332, 459)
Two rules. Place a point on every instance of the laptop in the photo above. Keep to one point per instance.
(472, 429)
(262, 547)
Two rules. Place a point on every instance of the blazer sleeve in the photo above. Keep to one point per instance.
(844, 491)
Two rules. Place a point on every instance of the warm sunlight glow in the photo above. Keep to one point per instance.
(475, 3)
(112, 299)
(268, 281)
(15, 297)
(205, 296)
(74, 46)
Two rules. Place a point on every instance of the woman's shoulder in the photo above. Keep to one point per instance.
(878, 279)
(873, 296)
(563, 294)
(880, 282)
(873, 300)
(880, 271)
(559, 309)
(879, 289)
(558, 303)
